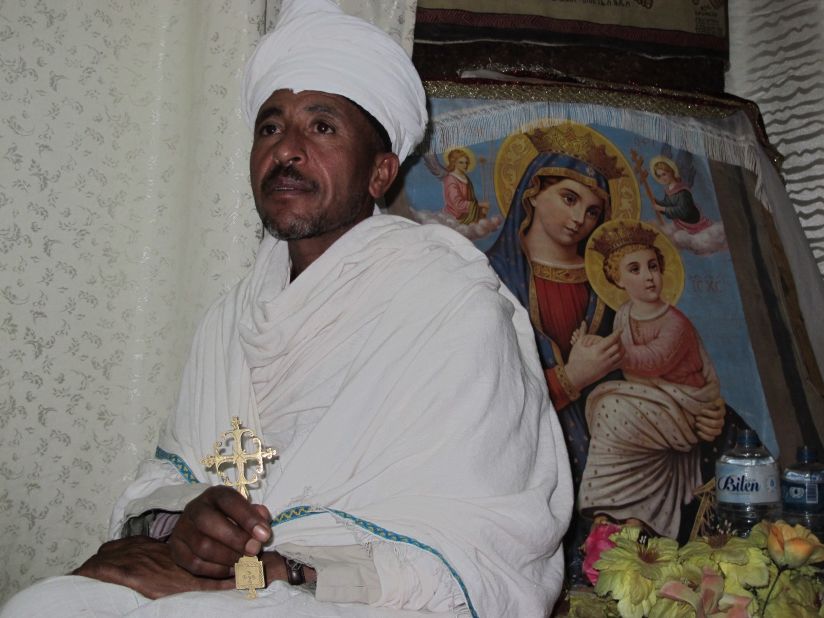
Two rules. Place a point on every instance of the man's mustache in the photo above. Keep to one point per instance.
(280, 173)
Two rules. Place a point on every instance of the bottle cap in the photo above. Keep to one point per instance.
(747, 438)
(806, 454)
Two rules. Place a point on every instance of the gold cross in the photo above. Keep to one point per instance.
(248, 570)
(249, 575)
(239, 457)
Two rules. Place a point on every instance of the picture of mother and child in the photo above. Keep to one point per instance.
(635, 390)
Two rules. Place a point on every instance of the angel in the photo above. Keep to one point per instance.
(458, 193)
(677, 204)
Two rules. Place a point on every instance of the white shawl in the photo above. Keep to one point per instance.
(400, 382)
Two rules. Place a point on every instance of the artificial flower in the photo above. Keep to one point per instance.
(597, 542)
(584, 604)
(733, 606)
(773, 573)
(631, 571)
(792, 546)
(714, 549)
(707, 600)
(742, 563)
(795, 595)
(704, 599)
(755, 574)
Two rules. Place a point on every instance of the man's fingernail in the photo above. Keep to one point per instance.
(260, 532)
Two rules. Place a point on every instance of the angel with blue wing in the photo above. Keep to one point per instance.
(678, 216)
(677, 203)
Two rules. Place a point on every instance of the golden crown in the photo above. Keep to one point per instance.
(613, 237)
(563, 140)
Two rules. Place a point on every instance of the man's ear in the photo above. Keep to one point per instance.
(384, 172)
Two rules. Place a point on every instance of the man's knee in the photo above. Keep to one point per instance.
(71, 595)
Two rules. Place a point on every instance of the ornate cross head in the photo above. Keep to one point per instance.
(239, 458)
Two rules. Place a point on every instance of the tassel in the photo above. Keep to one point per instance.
(728, 140)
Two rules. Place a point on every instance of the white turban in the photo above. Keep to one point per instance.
(316, 46)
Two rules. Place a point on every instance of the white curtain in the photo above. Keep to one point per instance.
(124, 211)
(777, 61)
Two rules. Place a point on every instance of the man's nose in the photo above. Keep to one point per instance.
(578, 213)
(290, 148)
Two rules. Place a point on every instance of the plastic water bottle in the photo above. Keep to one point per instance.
(802, 491)
(747, 486)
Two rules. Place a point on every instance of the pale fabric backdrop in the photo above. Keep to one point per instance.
(777, 61)
(124, 210)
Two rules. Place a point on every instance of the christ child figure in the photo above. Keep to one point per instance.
(646, 430)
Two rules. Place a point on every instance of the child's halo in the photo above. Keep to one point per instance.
(612, 295)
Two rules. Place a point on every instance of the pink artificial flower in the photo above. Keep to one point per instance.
(597, 542)
(709, 600)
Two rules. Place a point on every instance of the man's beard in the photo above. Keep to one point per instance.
(313, 223)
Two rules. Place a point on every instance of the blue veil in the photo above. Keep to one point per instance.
(509, 259)
(508, 256)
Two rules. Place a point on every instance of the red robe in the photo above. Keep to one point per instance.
(562, 306)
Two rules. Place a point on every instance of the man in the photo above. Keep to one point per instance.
(421, 467)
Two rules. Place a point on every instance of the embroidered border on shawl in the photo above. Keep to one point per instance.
(304, 511)
(177, 461)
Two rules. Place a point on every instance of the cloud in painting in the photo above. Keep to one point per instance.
(707, 241)
(473, 231)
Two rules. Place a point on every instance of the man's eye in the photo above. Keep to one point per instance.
(322, 127)
(594, 213)
(267, 129)
(569, 199)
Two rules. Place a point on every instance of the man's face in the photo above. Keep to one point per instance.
(314, 165)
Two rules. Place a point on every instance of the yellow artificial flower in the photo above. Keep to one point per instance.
(632, 571)
(586, 604)
(792, 546)
(796, 595)
(744, 565)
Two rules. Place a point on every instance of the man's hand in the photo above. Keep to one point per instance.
(216, 529)
(146, 566)
(592, 357)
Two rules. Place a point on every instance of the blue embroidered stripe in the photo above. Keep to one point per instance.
(177, 461)
(303, 511)
(294, 513)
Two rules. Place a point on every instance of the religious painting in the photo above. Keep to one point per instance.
(607, 226)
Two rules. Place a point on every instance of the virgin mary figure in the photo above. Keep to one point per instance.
(570, 186)
(570, 180)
